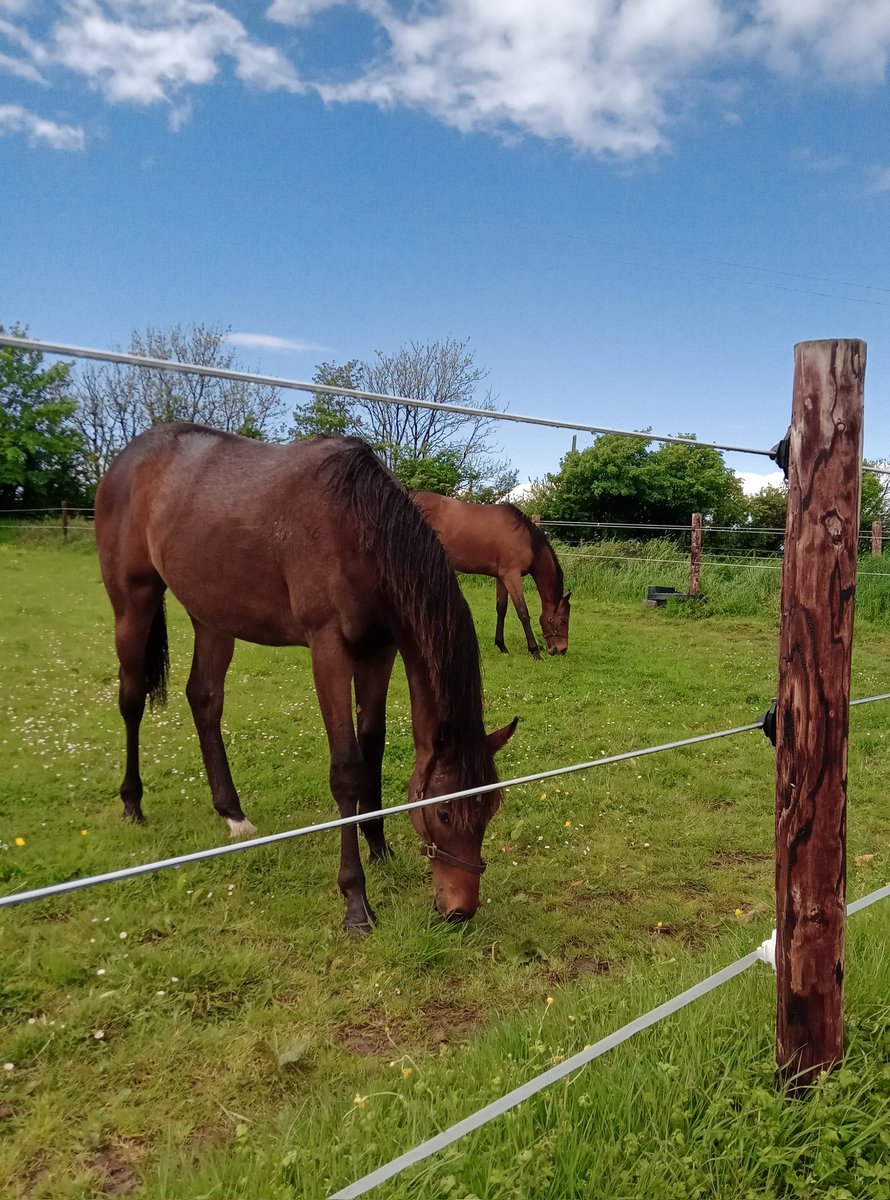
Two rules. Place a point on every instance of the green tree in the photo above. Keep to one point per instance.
(683, 479)
(326, 413)
(439, 372)
(875, 496)
(40, 463)
(621, 479)
(436, 473)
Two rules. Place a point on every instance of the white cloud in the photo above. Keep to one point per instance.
(594, 73)
(754, 482)
(269, 341)
(296, 12)
(20, 68)
(38, 130)
(146, 51)
(878, 180)
(846, 40)
(607, 76)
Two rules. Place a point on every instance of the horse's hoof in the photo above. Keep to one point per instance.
(382, 855)
(135, 818)
(536, 655)
(356, 928)
(503, 649)
(242, 828)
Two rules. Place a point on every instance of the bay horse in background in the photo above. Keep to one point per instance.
(309, 544)
(500, 540)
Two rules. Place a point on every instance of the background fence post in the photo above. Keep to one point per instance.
(813, 694)
(876, 537)
(65, 520)
(695, 556)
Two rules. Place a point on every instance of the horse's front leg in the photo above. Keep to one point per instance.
(514, 587)
(372, 674)
(350, 778)
(502, 612)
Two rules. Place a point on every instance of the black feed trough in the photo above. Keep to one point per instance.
(657, 597)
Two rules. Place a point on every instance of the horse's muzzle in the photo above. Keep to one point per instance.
(457, 916)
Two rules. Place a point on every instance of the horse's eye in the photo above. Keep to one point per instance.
(444, 816)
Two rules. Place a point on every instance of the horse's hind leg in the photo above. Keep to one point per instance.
(372, 674)
(502, 612)
(205, 690)
(140, 637)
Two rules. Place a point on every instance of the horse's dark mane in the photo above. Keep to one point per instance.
(540, 544)
(417, 580)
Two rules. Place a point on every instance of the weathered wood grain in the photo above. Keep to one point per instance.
(695, 558)
(818, 590)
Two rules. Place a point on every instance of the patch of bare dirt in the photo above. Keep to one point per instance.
(115, 1167)
(738, 858)
(575, 968)
(366, 1037)
(437, 1024)
(449, 1023)
(584, 899)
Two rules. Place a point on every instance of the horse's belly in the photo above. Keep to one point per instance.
(240, 595)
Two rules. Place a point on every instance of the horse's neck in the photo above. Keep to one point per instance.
(545, 573)
(425, 715)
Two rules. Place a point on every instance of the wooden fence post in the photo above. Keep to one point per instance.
(877, 535)
(65, 520)
(695, 557)
(813, 694)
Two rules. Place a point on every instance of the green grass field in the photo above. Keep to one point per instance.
(210, 1032)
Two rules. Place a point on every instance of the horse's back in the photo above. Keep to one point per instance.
(243, 532)
(483, 539)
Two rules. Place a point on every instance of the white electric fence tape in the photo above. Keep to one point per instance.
(766, 952)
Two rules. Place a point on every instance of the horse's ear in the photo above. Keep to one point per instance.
(498, 738)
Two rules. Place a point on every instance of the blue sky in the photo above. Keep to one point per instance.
(633, 208)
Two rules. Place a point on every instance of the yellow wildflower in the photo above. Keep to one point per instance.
(738, 912)
(407, 1072)
(20, 841)
(84, 832)
(360, 1101)
(549, 999)
(568, 823)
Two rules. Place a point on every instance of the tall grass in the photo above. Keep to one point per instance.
(46, 531)
(621, 571)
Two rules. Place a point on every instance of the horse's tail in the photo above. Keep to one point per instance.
(157, 658)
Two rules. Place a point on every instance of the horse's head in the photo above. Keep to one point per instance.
(451, 833)
(555, 624)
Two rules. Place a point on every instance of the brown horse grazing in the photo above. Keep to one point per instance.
(309, 544)
(499, 540)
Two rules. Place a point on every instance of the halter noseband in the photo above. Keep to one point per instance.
(429, 849)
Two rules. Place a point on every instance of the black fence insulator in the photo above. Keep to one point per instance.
(769, 722)
(779, 453)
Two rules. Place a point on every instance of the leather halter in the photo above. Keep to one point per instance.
(556, 629)
(429, 849)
